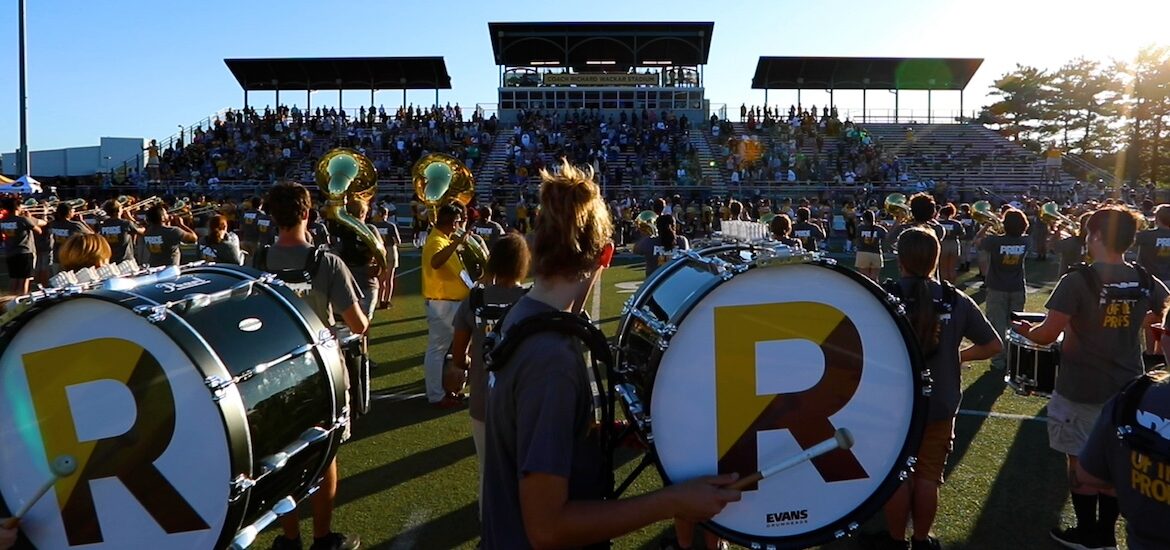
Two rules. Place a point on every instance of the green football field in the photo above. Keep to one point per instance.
(409, 474)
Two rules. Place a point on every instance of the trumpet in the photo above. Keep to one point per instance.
(898, 207)
(981, 212)
(1050, 214)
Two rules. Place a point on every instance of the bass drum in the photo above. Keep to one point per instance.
(736, 357)
(193, 401)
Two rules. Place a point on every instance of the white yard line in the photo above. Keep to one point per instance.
(407, 272)
(411, 530)
(396, 397)
(1006, 416)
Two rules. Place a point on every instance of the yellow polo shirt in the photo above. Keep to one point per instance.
(443, 283)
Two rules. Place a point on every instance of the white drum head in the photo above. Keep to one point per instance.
(780, 331)
(67, 379)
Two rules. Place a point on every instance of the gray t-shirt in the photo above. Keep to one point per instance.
(226, 251)
(18, 235)
(870, 238)
(1005, 265)
(539, 411)
(489, 231)
(60, 230)
(1102, 343)
(118, 233)
(1072, 252)
(465, 321)
(655, 254)
(1154, 252)
(333, 289)
(1133, 476)
(810, 235)
(965, 320)
(162, 242)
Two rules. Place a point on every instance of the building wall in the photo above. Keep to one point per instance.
(80, 161)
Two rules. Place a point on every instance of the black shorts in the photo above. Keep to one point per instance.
(20, 266)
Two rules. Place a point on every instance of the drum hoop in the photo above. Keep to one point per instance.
(849, 522)
(182, 334)
(1022, 341)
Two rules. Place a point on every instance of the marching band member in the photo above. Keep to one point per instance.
(82, 250)
(1129, 468)
(220, 245)
(1154, 245)
(119, 230)
(942, 318)
(506, 269)
(1100, 309)
(781, 228)
(333, 296)
(62, 227)
(388, 230)
(543, 478)
(870, 236)
(952, 247)
(19, 251)
(359, 259)
(810, 234)
(1005, 273)
(657, 250)
(1071, 248)
(443, 288)
(162, 239)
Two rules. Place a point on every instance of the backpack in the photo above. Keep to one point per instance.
(1124, 414)
(300, 281)
(499, 347)
(1105, 293)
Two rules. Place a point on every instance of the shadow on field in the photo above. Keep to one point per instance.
(398, 336)
(391, 474)
(979, 396)
(390, 414)
(447, 531)
(1034, 485)
(396, 366)
(404, 320)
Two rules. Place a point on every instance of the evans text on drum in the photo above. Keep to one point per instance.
(733, 358)
(196, 401)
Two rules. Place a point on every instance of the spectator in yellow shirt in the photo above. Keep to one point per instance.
(443, 288)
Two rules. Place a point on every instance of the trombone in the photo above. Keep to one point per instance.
(181, 207)
(144, 203)
(48, 208)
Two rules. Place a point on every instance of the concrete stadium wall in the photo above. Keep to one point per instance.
(79, 161)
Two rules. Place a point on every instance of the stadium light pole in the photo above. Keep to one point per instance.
(23, 157)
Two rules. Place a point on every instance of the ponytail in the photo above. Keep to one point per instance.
(918, 251)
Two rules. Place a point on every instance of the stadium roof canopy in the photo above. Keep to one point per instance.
(341, 73)
(860, 73)
(601, 46)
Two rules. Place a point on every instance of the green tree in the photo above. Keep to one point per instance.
(1084, 103)
(1023, 97)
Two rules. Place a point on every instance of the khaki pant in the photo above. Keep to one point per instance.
(1000, 305)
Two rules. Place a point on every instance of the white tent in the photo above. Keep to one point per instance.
(25, 185)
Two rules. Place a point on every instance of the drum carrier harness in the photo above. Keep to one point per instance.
(499, 347)
(300, 281)
(943, 306)
(1140, 438)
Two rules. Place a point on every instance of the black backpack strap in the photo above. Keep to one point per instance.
(1145, 279)
(475, 301)
(950, 297)
(1096, 287)
(562, 322)
(1124, 416)
(313, 262)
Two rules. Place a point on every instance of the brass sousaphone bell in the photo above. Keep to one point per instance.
(646, 222)
(345, 175)
(441, 179)
(983, 214)
(898, 207)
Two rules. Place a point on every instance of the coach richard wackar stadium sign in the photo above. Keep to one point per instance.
(600, 80)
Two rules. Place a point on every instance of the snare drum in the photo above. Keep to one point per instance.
(733, 358)
(192, 399)
(1031, 367)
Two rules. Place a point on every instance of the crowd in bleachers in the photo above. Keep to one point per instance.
(263, 146)
(802, 145)
(630, 148)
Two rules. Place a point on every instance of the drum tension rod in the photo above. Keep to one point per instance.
(242, 483)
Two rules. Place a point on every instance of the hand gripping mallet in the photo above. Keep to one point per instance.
(842, 439)
(62, 467)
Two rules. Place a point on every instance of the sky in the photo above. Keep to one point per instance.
(131, 68)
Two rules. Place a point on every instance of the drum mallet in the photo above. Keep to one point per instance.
(842, 439)
(62, 467)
